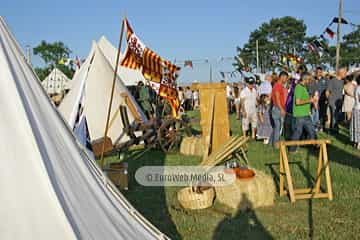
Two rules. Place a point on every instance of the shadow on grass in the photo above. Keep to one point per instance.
(245, 225)
(310, 181)
(343, 157)
(151, 201)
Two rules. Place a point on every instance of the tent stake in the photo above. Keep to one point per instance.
(112, 93)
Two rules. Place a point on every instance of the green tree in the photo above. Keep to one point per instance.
(51, 54)
(276, 38)
(350, 48)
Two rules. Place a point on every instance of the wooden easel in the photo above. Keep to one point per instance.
(323, 164)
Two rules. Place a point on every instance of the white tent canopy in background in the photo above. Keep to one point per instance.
(91, 86)
(130, 77)
(49, 187)
(56, 82)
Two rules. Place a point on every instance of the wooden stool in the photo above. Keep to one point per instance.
(323, 163)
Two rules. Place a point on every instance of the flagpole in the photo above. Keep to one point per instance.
(112, 93)
(338, 36)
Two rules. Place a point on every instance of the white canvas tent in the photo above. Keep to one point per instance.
(92, 89)
(56, 82)
(49, 188)
(130, 77)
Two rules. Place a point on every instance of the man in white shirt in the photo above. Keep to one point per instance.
(265, 87)
(188, 99)
(248, 97)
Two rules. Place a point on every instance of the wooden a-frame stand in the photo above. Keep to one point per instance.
(323, 165)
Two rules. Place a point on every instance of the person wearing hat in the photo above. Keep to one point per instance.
(248, 100)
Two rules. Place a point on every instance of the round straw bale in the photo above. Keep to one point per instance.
(256, 192)
(192, 146)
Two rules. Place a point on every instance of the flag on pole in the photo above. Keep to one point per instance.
(330, 32)
(342, 20)
(77, 62)
(311, 47)
(188, 63)
(61, 61)
(324, 39)
(153, 67)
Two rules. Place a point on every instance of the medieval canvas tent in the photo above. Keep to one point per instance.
(89, 98)
(49, 187)
(56, 82)
(130, 77)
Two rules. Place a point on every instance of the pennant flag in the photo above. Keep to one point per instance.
(153, 67)
(61, 61)
(317, 44)
(77, 62)
(342, 20)
(68, 62)
(330, 32)
(311, 47)
(188, 63)
(324, 39)
(222, 74)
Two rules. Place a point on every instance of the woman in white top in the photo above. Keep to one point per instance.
(355, 121)
(349, 100)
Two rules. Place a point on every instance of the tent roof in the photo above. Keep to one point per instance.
(94, 80)
(130, 77)
(49, 187)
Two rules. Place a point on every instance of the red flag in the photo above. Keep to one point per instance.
(330, 32)
(188, 63)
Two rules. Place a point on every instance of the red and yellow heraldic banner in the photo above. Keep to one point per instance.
(162, 73)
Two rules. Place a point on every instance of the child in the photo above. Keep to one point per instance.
(315, 111)
(264, 125)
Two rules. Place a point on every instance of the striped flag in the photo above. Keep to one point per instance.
(153, 67)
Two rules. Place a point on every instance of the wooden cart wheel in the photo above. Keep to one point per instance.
(170, 134)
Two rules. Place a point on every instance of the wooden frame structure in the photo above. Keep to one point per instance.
(323, 165)
(214, 122)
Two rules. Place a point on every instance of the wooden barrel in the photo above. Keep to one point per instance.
(192, 146)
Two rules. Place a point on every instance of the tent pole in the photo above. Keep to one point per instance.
(112, 93)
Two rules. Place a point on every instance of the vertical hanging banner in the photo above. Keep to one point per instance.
(153, 67)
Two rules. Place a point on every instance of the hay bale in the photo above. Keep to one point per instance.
(192, 146)
(258, 191)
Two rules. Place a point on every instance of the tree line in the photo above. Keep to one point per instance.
(287, 35)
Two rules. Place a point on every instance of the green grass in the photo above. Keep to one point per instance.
(306, 219)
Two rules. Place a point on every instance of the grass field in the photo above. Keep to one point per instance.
(306, 219)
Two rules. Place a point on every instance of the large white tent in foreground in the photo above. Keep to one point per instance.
(49, 187)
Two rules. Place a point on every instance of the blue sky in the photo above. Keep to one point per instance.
(187, 29)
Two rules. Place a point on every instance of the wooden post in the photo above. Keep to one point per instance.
(112, 92)
(288, 175)
(338, 36)
(327, 173)
(210, 124)
(281, 175)
(318, 172)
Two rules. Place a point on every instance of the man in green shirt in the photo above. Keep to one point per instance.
(301, 110)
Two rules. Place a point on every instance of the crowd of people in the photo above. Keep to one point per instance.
(294, 106)
(297, 106)
(189, 99)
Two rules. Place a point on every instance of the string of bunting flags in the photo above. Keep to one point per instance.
(320, 45)
(160, 72)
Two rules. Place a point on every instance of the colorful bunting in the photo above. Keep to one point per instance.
(330, 32)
